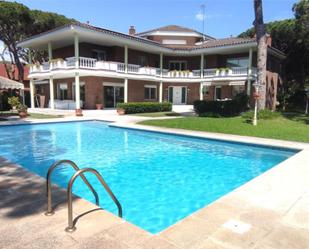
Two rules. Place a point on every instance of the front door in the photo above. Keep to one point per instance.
(177, 95)
(113, 95)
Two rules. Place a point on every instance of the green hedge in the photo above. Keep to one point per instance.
(222, 108)
(143, 107)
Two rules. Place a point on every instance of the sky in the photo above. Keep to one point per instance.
(223, 18)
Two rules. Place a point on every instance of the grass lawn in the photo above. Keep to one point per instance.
(157, 114)
(294, 127)
(42, 116)
(30, 115)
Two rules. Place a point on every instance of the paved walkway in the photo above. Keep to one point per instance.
(269, 212)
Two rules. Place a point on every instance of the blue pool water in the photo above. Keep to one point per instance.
(158, 178)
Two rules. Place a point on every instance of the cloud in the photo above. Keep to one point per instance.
(199, 16)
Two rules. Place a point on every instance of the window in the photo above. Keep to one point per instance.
(142, 60)
(100, 55)
(62, 92)
(217, 92)
(237, 89)
(237, 62)
(150, 92)
(178, 65)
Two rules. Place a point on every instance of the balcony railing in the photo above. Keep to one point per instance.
(90, 63)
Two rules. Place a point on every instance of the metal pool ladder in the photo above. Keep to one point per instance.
(79, 172)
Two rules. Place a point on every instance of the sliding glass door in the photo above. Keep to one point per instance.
(113, 95)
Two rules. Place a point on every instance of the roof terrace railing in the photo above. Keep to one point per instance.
(91, 63)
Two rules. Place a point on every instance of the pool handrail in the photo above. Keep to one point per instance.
(71, 227)
(48, 183)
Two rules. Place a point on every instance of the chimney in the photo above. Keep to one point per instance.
(132, 30)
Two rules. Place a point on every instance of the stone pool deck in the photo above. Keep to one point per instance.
(271, 211)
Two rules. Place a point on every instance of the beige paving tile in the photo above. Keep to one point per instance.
(210, 243)
(94, 222)
(217, 213)
(262, 218)
(287, 238)
(298, 215)
(131, 235)
(156, 242)
(232, 239)
(188, 232)
(102, 241)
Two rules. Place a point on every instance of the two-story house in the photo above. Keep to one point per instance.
(89, 66)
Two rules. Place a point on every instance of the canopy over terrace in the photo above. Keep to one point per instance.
(6, 83)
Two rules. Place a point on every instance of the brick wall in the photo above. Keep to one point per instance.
(136, 90)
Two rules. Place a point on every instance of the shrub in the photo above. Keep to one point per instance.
(22, 108)
(262, 114)
(221, 108)
(13, 101)
(143, 107)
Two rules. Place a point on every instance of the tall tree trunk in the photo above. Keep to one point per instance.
(261, 53)
(18, 63)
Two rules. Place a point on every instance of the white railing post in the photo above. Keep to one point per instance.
(249, 73)
(51, 93)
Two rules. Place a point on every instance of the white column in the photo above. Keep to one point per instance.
(32, 93)
(202, 65)
(50, 54)
(125, 90)
(50, 51)
(201, 91)
(51, 93)
(161, 92)
(249, 73)
(76, 51)
(77, 91)
(126, 59)
(161, 64)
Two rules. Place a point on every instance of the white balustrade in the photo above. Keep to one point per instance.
(210, 72)
(70, 61)
(92, 63)
(196, 73)
(133, 68)
(120, 67)
(87, 62)
(239, 70)
(149, 71)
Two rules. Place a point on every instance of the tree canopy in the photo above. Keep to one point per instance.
(18, 22)
(291, 36)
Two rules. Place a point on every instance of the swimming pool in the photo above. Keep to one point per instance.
(158, 178)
